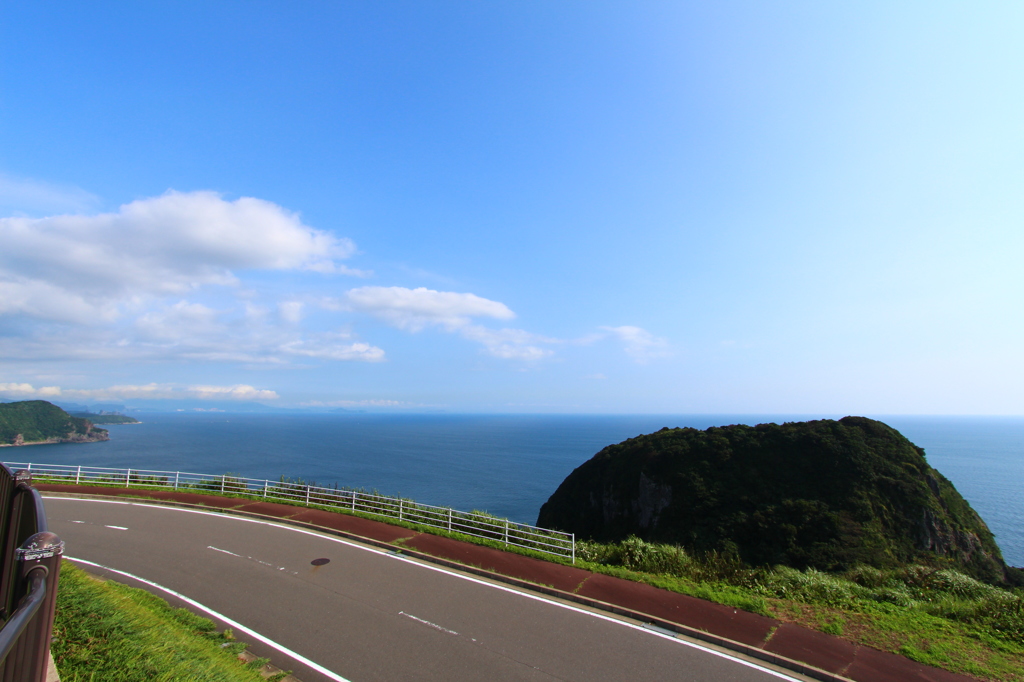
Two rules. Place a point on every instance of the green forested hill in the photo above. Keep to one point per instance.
(34, 421)
(824, 494)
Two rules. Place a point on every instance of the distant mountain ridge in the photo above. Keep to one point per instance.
(105, 417)
(824, 494)
(36, 421)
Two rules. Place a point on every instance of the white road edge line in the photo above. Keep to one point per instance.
(233, 623)
(439, 569)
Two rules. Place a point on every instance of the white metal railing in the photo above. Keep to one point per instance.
(468, 523)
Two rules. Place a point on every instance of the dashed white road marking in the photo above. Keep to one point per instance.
(250, 558)
(218, 549)
(440, 569)
(427, 622)
(233, 623)
(100, 524)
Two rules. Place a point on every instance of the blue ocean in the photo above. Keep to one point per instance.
(505, 464)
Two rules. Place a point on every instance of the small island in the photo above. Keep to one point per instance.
(34, 422)
(826, 495)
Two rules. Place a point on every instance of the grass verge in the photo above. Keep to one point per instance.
(108, 632)
(933, 615)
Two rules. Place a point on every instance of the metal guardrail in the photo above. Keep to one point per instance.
(475, 524)
(29, 571)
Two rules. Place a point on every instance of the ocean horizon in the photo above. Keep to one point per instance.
(505, 464)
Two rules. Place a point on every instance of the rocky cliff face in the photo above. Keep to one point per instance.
(824, 494)
(87, 433)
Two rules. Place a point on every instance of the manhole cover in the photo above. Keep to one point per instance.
(320, 562)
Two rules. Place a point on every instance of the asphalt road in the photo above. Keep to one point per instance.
(367, 614)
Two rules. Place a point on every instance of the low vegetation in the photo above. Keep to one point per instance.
(937, 616)
(108, 632)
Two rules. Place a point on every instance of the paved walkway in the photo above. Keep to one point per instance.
(766, 638)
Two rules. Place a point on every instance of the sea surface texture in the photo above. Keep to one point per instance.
(504, 464)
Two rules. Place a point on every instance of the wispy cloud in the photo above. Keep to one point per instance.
(358, 403)
(639, 343)
(511, 344)
(414, 309)
(24, 196)
(144, 392)
(194, 332)
(323, 349)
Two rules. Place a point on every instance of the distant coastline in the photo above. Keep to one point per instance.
(105, 418)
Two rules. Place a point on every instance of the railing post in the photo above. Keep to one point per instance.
(377, 504)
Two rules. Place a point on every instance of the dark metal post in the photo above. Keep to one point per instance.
(25, 639)
(30, 558)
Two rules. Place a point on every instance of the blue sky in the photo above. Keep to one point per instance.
(515, 206)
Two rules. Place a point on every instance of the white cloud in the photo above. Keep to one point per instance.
(511, 344)
(28, 390)
(144, 392)
(196, 332)
(331, 268)
(290, 311)
(414, 309)
(326, 350)
(75, 268)
(640, 344)
(24, 195)
(193, 332)
(237, 392)
(51, 302)
(356, 403)
(183, 320)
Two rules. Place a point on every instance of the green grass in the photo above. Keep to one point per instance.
(936, 616)
(108, 632)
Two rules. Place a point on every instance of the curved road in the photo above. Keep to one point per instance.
(368, 614)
